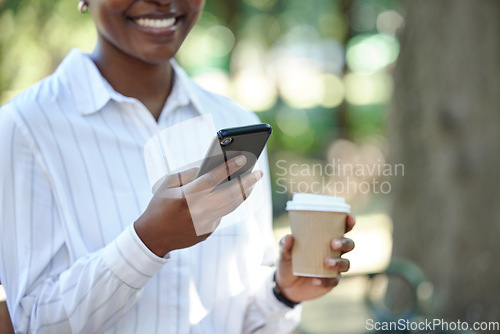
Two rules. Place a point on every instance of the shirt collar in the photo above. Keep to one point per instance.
(85, 82)
(178, 97)
(188, 87)
(92, 91)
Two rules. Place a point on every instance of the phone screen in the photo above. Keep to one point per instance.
(229, 143)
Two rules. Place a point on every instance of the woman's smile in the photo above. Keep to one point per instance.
(158, 26)
(151, 31)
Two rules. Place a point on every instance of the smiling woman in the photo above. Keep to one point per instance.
(86, 247)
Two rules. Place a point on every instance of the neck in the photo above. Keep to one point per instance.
(149, 83)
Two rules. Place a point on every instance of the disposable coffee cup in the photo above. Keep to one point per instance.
(315, 220)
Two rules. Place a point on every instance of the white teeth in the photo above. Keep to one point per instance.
(155, 23)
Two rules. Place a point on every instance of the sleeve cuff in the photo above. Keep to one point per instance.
(130, 260)
(280, 296)
(265, 298)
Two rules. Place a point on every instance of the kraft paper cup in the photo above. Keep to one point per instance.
(315, 220)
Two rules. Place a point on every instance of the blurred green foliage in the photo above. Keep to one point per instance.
(35, 36)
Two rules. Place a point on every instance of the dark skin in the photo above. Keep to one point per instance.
(135, 58)
(136, 40)
(151, 87)
(298, 288)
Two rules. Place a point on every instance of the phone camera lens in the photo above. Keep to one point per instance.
(226, 141)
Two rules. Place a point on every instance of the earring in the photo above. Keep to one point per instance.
(82, 6)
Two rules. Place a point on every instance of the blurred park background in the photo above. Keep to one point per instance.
(405, 93)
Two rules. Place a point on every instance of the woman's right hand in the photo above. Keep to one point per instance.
(183, 212)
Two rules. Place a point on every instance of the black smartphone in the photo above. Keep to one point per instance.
(247, 140)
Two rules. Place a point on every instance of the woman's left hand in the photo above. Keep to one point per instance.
(299, 288)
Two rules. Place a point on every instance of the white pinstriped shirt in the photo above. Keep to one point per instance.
(72, 182)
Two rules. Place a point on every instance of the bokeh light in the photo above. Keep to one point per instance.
(300, 82)
(263, 26)
(389, 22)
(261, 4)
(333, 91)
(214, 80)
(370, 53)
(207, 45)
(254, 89)
(293, 122)
(248, 53)
(331, 56)
(204, 47)
(365, 89)
(220, 40)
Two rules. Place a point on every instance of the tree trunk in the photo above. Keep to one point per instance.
(445, 128)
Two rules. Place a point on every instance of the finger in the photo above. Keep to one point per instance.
(225, 201)
(187, 176)
(226, 209)
(350, 222)
(286, 245)
(328, 283)
(203, 236)
(343, 244)
(211, 179)
(236, 190)
(206, 208)
(342, 265)
(179, 179)
(205, 227)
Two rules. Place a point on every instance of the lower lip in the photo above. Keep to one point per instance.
(160, 32)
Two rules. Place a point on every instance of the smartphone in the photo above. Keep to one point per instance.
(244, 140)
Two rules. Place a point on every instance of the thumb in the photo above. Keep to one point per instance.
(286, 245)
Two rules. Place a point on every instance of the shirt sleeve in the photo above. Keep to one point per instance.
(48, 291)
(265, 313)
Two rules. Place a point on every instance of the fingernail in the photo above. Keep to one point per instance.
(258, 175)
(332, 262)
(249, 190)
(337, 243)
(240, 160)
(317, 281)
(283, 241)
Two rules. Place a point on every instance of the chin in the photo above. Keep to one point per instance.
(156, 55)
(157, 59)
